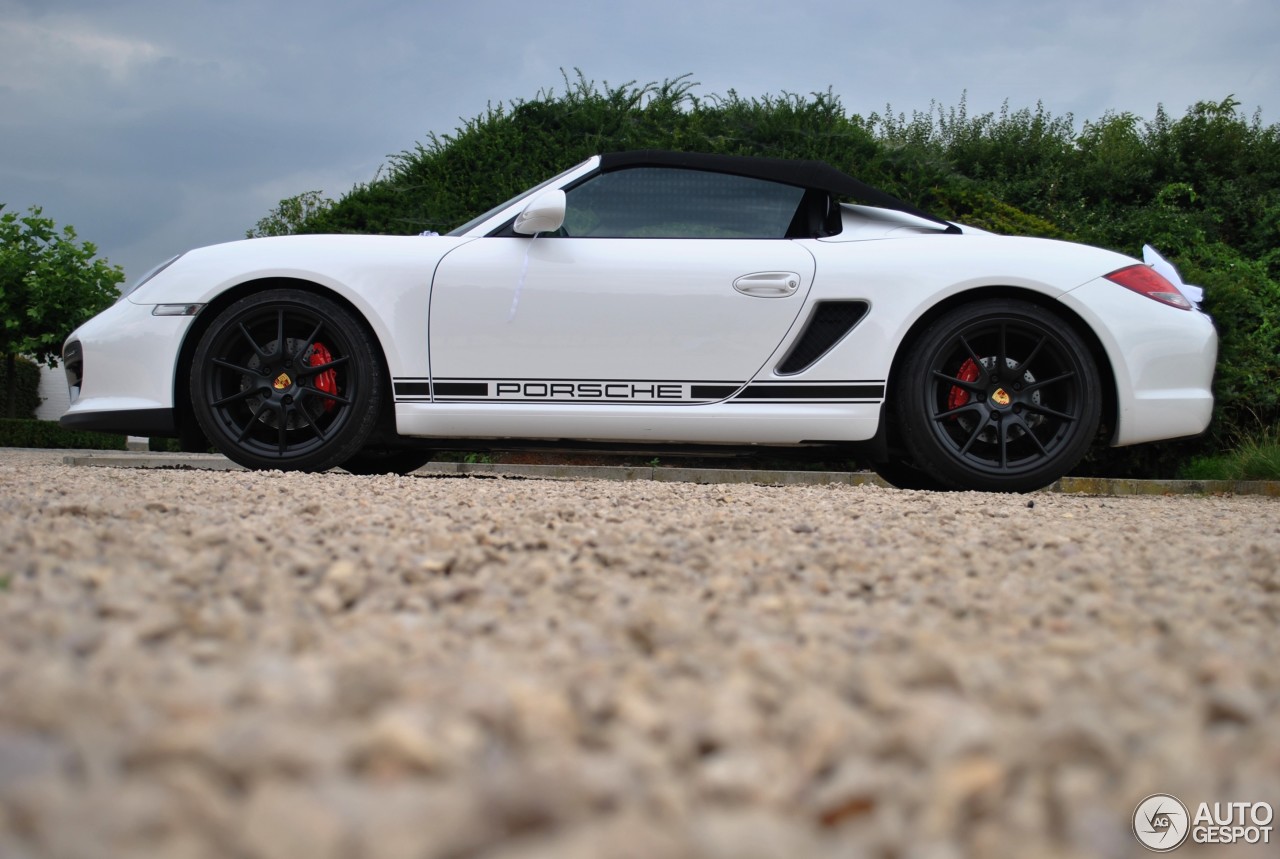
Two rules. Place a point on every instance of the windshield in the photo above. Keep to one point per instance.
(475, 222)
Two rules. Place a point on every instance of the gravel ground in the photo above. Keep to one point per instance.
(227, 664)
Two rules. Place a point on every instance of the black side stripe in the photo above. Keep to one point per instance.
(712, 392)
(462, 389)
(812, 392)
(413, 389)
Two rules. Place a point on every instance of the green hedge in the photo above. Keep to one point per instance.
(48, 434)
(22, 392)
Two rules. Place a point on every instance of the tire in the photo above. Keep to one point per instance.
(1001, 395)
(387, 461)
(288, 380)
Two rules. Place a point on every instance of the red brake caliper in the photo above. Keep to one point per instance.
(327, 381)
(959, 396)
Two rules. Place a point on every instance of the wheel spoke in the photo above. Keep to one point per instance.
(974, 355)
(959, 410)
(1026, 428)
(320, 368)
(311, 339)
(244, 332)
(979, 426)
(1002, 434)
(1025, 364)
(248, 427)
(283, 434)
(236, 397)
(236, 367)
(1041, 383)
(324, 396)
(314, 426)
(279, 332)
(1002, 351)
(971, 387)
(1045, 410)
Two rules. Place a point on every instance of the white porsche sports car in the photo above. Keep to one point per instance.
(659, 301)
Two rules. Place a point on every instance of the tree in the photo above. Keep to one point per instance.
(49, 284)
(290, 214)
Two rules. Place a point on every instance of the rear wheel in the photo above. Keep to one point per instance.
(286, 379)
(1000, 395)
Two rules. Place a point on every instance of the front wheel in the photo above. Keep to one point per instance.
(286, 379)
(1000, 395)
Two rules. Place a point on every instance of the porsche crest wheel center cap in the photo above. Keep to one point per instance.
(1001, 397)
(282, 381)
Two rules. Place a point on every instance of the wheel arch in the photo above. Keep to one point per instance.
(188, 430)
(1106, 372)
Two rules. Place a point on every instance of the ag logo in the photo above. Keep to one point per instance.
(1161, 823)
(282, 381)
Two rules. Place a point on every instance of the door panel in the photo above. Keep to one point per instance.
(555, 308)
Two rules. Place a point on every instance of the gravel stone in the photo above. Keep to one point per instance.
(221, 663)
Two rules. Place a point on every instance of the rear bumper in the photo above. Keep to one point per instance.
(1163, 359)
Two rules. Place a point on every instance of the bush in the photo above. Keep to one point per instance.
(1244, 301)
(1254, 458)
(48, 434)
(22, 391)
(164, 445)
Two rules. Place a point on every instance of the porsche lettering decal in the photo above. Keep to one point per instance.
(649, 391)
(565, 390)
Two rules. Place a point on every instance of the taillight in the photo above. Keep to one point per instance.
(1145, 280)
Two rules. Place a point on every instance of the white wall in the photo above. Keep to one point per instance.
(53, 390)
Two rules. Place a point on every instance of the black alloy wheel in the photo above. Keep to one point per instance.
(1001, 395)
(286, 379)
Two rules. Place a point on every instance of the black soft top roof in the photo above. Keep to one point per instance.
(803, 174)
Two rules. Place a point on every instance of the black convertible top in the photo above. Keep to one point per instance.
(817, 175)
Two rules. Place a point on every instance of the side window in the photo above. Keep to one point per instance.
(664, 202)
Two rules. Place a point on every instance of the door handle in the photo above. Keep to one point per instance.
(768, 284)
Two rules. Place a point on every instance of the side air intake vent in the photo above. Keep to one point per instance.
(829, 322)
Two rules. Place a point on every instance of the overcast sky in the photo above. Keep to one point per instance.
(157, 125)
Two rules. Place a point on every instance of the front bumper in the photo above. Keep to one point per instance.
(121, 370)
(142, 422)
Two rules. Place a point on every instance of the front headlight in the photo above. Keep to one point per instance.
(152, 272)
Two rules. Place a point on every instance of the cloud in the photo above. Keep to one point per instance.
(45, 56)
